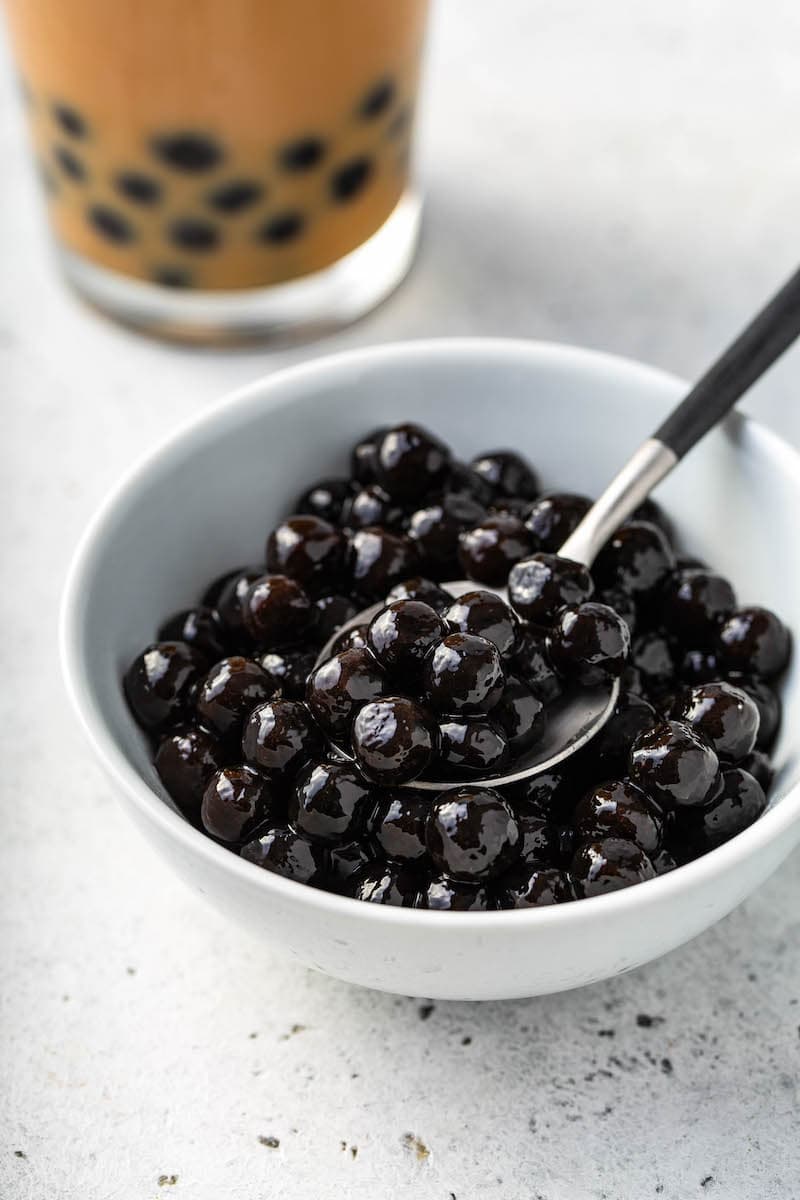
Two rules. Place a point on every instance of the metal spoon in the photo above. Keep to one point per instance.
(579, 715)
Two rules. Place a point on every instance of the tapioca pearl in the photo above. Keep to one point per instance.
(70, 164)
(235, 196)
(70, 120)
(377, 100)
(138, 187)
(302, 155)
(172, 277)
(281, 228)
(110, 224)
(349, 179)
(186, 151)
(194, 234)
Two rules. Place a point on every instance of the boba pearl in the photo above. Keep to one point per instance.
(410, 462)
(344, 862)
(632, 715)
(236, 801)
(349, 178)
(652, 512)
(229, 692)
(419, 588)
(546, 795)
(138, 187)
(539, 839)
(674, 764)
(435, 530)
(768, 703)
(506, 473)
(187, 152)
(754, 641)
(329, 802)
(622, 603)
(521, 715)
(397, 825)
(552, 518)
(533, 665)
(465, 479)
(234, 196)
(110, 224)
(363, 458)
(539, 586)
(284, 852)
(489, 550)
(472, 833)
(607, 865)
(758, 765)
(725, 715)
(331, 611)
(371, 505)
(464, 674)
(693, 603)
(513, 506)
(736, 804)
(185, 761)
(227, 594)
(194, 234)
(338, 688)
(619, 809)
(485, 614)
(161, 684)
(377, 559)
(198, 627)
(663, 862)
(288, 671)
(472, 746)
(653, 654)
(354, 638)
(307, 549)
(325, 499)
(638, 559)
(455, 895)
(393, 740)
(699, 666)
(401, 635)
(524, 887)
(276, 610)
(589, 643)
(302, 154)
(279, 736)
(386, 883)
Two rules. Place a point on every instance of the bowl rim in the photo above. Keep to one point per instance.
(264, 392)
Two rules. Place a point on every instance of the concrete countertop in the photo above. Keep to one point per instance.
(618, 175)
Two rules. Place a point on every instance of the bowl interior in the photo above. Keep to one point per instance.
(205, 502)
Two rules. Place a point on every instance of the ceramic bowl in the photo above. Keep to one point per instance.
(203, 502)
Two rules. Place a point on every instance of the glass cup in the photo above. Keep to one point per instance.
(223, 169)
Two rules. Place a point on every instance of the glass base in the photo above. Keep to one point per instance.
(301, 308)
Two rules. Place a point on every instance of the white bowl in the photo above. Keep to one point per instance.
(204, 501)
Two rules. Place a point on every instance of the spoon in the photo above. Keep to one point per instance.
(577, 716)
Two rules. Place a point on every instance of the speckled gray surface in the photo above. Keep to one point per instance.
(612, 175)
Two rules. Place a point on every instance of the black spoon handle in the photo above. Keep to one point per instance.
(755, 350)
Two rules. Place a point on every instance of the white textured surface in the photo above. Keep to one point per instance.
(607, 174)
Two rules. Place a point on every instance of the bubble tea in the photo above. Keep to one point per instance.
(220, 169)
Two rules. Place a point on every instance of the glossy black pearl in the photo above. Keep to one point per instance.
(339, 687)
(401, 635)
(607, 865)
(654, 655)
(230, 595)
(674, 764)
(623, 604)
(539, 586)
(386, 883)
(394, 740)
(485, 614)
(211, 595)
(236, 801)
(363, 457)
(465, 479)
(410, 462)
(436, 528)
(377, 559)
(344, 862)
(758, 765)
(329, 802)
(506, 473)
(539, 839)
(472, 833)
(288, 671)
(464, 674)
(513, 506)
(699, 666)
(198, 627)
(371, 505)
(638, 559)
(533, 664)
(161, 683)
(185, 761)
(632, 715)
(284, 852)
(546, 795)
(472, 746)
(354, 638)
(521, 715)
(651, 512)
(276, 610)
(663, 862)
(769, 705)
(553, 517)
(489, 551)
(455, 895)
(693, 603)
(307, 549)
(419, 588)
(619, 809)
(725, 715)
(526, 887)
(325, 499)
(736, 803)
(397, 824)
(279, 736)
(589, 643)
(755, 642)
(229, 692)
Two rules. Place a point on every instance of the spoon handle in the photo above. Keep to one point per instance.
(747, 358)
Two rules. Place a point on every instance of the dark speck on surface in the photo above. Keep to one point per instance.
(425, 1011)
(354, 1151)
(644, 1021)
(272, 1143)
(467, 1041)
(131, 970)
(20, 1154)
(706, 1181)
(606, 1033)
(659, 1188)
(167, 1180)
(416, 1146)
(253, 1035)
(666, 1066)
(751, 975)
